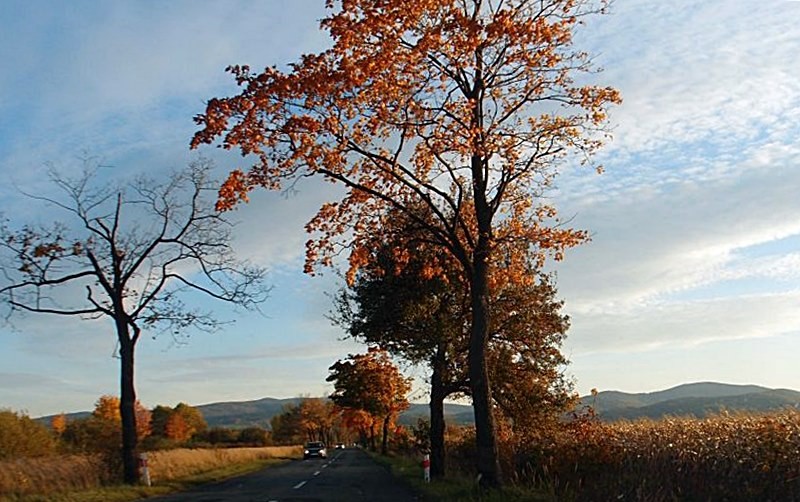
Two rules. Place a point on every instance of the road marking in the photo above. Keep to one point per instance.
(317, 473)
(299, 485)
(324, 466)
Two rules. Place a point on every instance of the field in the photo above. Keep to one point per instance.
(59, 474)
(725, 457)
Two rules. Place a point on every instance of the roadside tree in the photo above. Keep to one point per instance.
(464, 107)
(129, 254)
(425, 321)
(372, 383)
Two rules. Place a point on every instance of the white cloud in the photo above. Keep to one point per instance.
(686, 324)
(698, 72)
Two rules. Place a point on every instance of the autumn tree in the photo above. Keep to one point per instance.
(58, 423)
(317, 418)
(425, 321)
(525, 358)
(465, 107)
(372, 383)
(107, 407)
(414, 316)
(179, 423)
(21, 436)
(311, 419)
(128, 253)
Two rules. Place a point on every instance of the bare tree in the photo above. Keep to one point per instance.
(129, 253)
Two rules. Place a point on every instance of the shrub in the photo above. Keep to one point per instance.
(20, 436)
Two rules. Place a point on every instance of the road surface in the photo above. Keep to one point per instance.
(347, 475)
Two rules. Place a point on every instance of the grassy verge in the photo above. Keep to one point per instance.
(172, 471)
(454, 488)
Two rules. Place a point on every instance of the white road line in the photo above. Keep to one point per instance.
(324, 466)
(317, 473)
(299, 485)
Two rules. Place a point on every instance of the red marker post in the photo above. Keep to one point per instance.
(426, 467)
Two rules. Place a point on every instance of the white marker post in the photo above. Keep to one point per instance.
(426, 467)
(145, 471)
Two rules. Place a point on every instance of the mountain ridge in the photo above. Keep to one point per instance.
(698, 399)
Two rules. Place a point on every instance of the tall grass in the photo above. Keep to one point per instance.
(725, 457)
(166, 465)
(44, 475)
(58, 474)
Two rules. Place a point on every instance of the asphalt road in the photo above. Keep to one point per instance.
(347, 475)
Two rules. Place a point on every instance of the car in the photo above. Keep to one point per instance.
(315, 449)
(340, 446)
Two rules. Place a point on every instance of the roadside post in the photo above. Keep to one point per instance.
(145, 471)
(426, 467)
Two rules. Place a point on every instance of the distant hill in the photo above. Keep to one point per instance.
(245, 413)
(695, 399)
(454, 414)
(240, 414)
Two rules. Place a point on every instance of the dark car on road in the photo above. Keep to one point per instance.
(315, 449)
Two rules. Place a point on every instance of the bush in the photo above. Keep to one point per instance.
(20, 436)
(96, 436)
(254, 436)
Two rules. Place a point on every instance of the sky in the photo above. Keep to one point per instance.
(692, 274)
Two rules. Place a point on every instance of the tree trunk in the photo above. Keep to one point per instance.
(127, 410)
(372, 445)
(437, 414)
(385, 441)
(485, 435)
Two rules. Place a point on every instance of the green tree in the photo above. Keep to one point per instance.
(254, 436)
(425, 320)
(287, 426)
(466, 108)
(421, 319)
(134, 250)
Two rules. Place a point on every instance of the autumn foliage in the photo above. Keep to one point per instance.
(463, 110)
(370, 386)
(21, 436)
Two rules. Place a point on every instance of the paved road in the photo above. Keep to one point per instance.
(347, 475)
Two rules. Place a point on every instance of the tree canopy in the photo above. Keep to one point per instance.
(373, 384)
(128, 253)
(460, 109)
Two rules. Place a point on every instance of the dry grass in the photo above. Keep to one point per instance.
(167, 465)
(51, 474)
(59, 474)
(726, 457)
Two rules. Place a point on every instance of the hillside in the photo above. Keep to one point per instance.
(697, 399)
(240, 414)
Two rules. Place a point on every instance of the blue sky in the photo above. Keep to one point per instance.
(693, 272)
